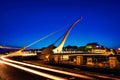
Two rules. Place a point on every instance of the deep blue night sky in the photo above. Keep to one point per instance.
(24, 21)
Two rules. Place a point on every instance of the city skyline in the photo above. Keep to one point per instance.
(23, 22)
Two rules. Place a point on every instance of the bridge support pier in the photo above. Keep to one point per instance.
(79, 60)
(113, 62)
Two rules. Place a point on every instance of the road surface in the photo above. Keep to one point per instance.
(36, 70)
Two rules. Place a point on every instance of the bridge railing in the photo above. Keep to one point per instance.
(72, 52)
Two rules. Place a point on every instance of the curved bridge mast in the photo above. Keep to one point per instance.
(60, 46)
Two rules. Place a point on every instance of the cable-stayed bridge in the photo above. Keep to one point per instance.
(56, 55)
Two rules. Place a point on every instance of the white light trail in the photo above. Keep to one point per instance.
(49, 69)
(34, 71)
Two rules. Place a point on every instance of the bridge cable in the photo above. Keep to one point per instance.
(58, 39)
(44, 37)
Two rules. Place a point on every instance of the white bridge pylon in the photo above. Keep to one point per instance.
(60, 46)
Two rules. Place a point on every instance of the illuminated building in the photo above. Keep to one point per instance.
(118, 51)
(95, 48)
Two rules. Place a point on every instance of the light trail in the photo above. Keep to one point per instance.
(34, 71)
(49, 69)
